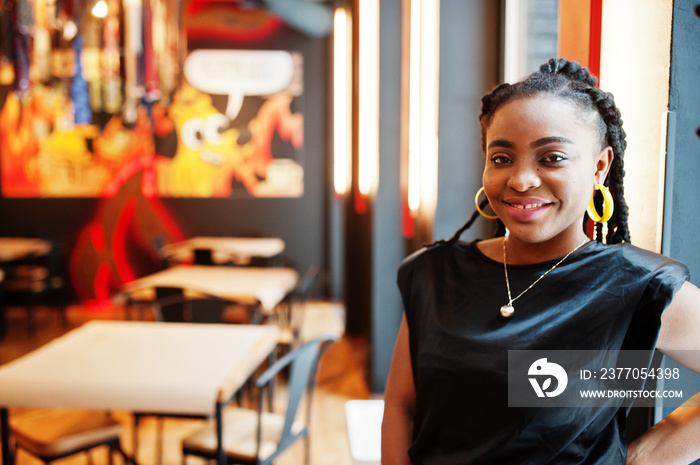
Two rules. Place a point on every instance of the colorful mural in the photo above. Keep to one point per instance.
(127, 102)
(198, 150)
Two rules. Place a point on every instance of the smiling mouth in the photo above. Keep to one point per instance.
(528, 206)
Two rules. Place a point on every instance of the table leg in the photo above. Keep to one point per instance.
(7, 455)
(135, 438)
(221, 454)
(159, 440)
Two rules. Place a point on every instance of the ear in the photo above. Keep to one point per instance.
(603, 163)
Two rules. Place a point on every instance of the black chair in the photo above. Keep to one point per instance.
(203, 257)
(289, 315)
(258, 437)
(37, 281)
(158, 243)
(172, 305)
(206, 309)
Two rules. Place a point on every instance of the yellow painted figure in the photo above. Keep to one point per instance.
(208, 155)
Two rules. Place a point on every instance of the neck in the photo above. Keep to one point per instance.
(523, 253)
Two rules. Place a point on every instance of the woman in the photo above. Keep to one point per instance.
(550, 142)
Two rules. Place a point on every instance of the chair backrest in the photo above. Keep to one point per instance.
(303, 289)
(158, 243)
(303, 365)
(203, 257)
(38, 273)
(206, 309)
(298, 299)
(171, 304)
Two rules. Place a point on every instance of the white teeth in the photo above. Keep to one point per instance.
(528, 207)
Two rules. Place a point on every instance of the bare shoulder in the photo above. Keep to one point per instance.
(680, 326)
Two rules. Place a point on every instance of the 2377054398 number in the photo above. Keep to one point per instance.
(639, 373)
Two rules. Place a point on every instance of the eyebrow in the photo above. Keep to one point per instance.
(506, 144)
(501, 143)
(550, 140)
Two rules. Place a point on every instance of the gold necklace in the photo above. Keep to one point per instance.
(507, 310)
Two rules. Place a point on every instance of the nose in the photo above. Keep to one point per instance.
(524, 176)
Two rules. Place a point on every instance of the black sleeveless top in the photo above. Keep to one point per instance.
(603, 297)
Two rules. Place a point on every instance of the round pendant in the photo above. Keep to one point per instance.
(507, 311)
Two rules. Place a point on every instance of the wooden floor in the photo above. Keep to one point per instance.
(342, 376)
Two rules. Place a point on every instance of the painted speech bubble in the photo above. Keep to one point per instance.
(238, 73)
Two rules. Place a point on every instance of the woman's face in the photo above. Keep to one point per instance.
(543, 160)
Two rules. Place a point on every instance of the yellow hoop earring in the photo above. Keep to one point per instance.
(608, 205)
(478, 208)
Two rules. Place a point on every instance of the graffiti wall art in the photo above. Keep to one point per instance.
(234, 127)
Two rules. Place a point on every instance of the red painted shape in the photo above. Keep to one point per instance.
(135, 165)
(269, 25)
(119, 240)
(170, 225)
(251, 35)
(103, 283)
(97, 237)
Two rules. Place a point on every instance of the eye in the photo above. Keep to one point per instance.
(553, 157)
(500, 159)
(192, 133)
(215, 127)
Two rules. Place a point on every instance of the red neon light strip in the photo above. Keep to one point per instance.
(594, 41)
(408, 227)
(360, 203)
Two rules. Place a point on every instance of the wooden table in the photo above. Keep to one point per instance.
(267, 286)
(142, 367)
(235, 250)
(14, 248)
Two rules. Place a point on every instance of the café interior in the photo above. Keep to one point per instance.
(203, 203)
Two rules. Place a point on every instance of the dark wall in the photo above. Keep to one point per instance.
(386, 231)
(470, 56)
(57, 218)
(469, 66)
(682, 163)
(299, 221)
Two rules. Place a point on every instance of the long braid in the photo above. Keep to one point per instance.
(614, 136)
(465, 226)
(618, 229)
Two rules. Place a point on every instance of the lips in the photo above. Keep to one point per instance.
(526, 208)
(529, 206)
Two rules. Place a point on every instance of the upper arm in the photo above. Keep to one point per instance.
(680, 327)
(400, 391)
(399, 400)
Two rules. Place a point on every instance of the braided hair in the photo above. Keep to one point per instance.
(570, 81)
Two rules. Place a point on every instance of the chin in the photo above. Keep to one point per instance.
(528, 234)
